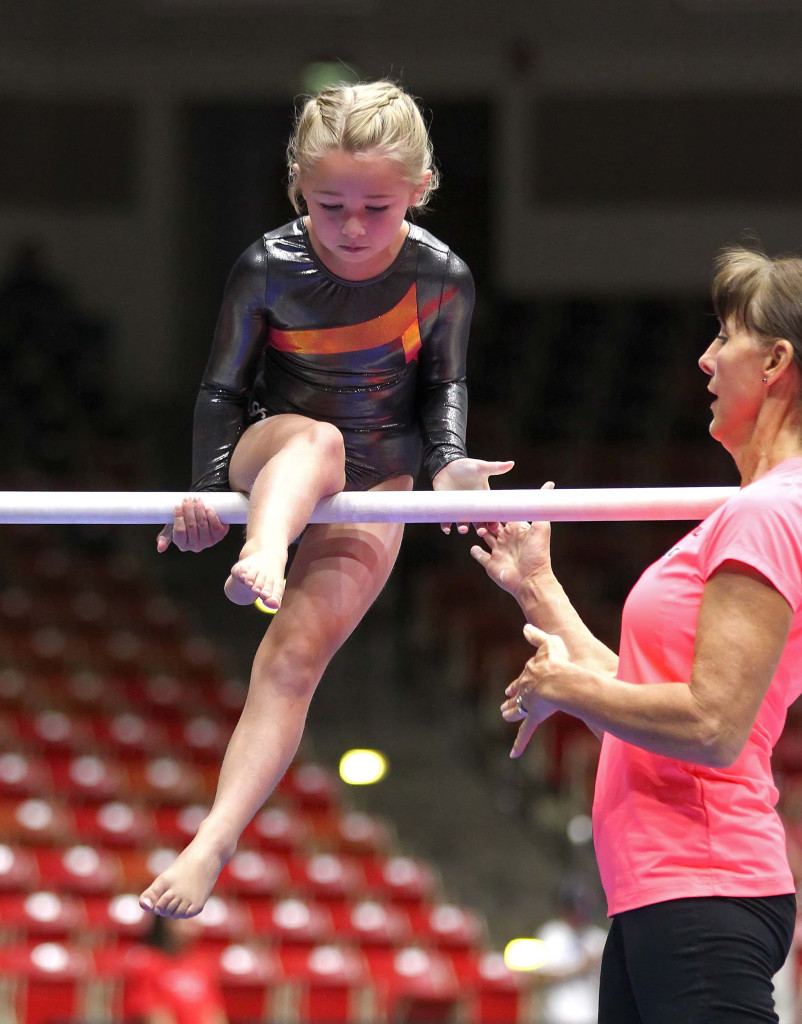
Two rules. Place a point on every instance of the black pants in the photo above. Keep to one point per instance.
(696, 961)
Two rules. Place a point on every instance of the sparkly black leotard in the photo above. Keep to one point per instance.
(382, 359)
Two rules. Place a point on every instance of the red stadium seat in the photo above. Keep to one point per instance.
(457, 931)
(250, 977)
(123, 649)
(418, 985)
(200, 738)
(41, 915)
(51, 982)
(496, 995)
(121, 573)
(117, 824)
(89, 612)
(194, 657)
(177, 825)
(226, 698)
(327, 877)
(117, 920)
(223, 922)
(253, 873)
(160, 615)
(140, 867)
(310, 786)
(165, 780)
(56, 731)
(163, 696)
(23, 775)
(88, 777)
(85, 691)
(371, 925)
(293, 926)
(18, 869)
(18, 606)
(277, 829)
(78, 869)
(353, 832)
(403, 880)
(330, 983)
(128, 734)
(19, 690)
(46, 648)
(35, 822)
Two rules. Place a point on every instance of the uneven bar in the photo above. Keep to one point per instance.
(569, 505)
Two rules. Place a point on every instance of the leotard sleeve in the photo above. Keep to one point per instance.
(239, 341)
(442, 389)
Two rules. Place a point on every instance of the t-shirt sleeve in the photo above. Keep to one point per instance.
(761, 528)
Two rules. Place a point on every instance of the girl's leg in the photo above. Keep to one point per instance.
(337, 573)
(286, 464)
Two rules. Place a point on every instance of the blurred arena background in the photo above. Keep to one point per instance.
(594, 157)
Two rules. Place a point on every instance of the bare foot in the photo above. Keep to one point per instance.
(182, 890)
(259, 573)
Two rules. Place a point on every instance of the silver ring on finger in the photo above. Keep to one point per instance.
(519, 703)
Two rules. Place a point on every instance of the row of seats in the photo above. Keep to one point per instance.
(160, 696)
(123, 736)
(291, 922)
(399, 879)
(48, 648)
(91, 777)
(116, 824)
(107, 766)
(323, 984)
(91, 609)
(94, 612)
(86, 776)
(66, 569)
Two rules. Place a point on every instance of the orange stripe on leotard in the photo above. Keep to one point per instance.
(398, 323)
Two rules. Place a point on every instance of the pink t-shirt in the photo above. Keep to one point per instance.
(666, 829)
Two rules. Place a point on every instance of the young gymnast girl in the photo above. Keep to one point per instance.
(338, 363)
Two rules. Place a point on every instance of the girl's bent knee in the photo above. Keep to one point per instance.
(326, 439)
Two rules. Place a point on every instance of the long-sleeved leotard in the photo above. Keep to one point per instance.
(382, 359)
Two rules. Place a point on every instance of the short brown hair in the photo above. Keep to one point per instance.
(760, 292)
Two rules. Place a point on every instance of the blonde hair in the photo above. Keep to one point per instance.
(369, 116)
(761, 293)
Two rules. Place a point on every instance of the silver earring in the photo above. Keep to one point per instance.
(765, 380)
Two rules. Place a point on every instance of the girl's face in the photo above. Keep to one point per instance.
(736, 363)
(357, 204)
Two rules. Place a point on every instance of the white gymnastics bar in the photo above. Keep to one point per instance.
(569, 505)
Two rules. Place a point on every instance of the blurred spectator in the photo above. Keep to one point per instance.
(574, 945)
(173, 980)
(29, 296)
(56, 414)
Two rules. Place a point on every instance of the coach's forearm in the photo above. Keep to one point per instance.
(545, 604)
